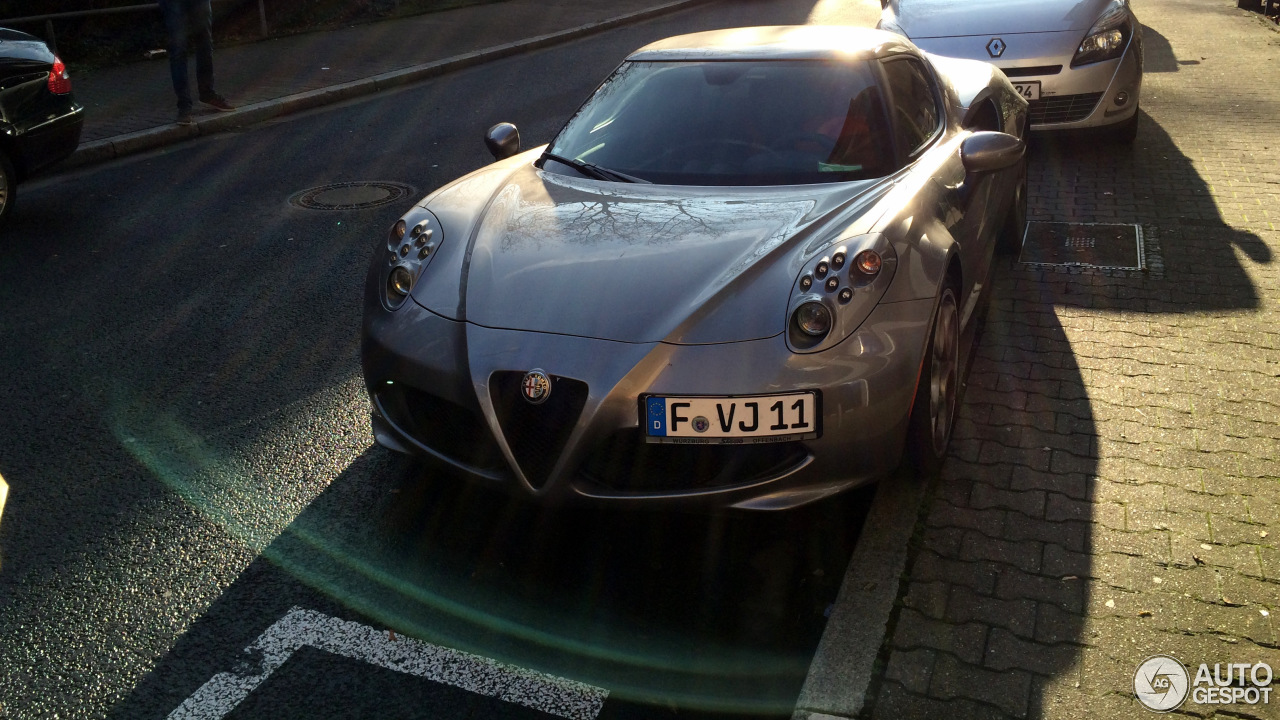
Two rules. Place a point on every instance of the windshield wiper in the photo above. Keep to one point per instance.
(592, 170)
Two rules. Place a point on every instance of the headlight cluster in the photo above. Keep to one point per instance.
(1108, 37)
(410, 248)
(836, 291)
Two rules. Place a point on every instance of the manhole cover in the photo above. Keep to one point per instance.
(350, 195)
(1098, 245)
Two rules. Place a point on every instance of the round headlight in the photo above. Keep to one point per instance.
(813, 318)
(398, 230)
(868, 262)
(400, 282)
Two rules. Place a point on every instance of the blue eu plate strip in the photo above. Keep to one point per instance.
(657, 415)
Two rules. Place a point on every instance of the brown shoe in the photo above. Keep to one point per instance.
(217, 102)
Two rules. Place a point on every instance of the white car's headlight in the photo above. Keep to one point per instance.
(411, 244)
(1108, 36)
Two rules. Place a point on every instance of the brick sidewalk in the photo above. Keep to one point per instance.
(140, 96)
(1114, 485)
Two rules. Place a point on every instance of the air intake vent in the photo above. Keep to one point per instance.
(1063, 108)
(1032, 71)
(536, 434)
(455, 432)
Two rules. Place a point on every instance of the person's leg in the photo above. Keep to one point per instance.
(201, 15)
(175, 23)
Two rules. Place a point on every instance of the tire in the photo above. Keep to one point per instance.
(1254, 5)
(933, 413)
(8, 187)
(1126, 132)
(1012, 232)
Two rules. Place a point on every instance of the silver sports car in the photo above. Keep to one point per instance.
(1078, 62)
(742, 275)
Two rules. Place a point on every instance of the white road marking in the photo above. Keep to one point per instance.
(299, 627)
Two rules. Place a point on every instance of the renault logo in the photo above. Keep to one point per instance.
(996, 47)
(536, 387)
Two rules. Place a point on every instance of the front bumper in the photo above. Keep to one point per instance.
(1070, 98)
(445, 389)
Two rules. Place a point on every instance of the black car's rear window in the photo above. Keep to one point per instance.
(776, 122)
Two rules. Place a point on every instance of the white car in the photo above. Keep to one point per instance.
(1077, 62)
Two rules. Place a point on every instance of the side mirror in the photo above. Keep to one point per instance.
(503, 140)
(986, 151)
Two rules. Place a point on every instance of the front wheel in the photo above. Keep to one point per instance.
(8, 187)
(933, 413)
(1126, 132)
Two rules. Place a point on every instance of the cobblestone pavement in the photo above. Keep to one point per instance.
(1114, 485)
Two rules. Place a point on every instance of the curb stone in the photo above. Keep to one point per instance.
(843, 667)
(131, 143)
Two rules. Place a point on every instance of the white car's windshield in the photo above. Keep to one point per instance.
(731, 123)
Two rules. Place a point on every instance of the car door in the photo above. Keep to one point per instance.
(919, 120)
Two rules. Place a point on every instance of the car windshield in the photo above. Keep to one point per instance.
(778, 122)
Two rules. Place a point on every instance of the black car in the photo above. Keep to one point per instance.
(39, 119)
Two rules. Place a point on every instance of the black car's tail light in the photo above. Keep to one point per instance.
(59, 78)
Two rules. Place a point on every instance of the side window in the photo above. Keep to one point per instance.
(915, 104)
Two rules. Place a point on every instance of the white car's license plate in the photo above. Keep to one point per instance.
(731, 420)
(1028, 90)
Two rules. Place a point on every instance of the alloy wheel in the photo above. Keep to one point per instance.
(945, 370)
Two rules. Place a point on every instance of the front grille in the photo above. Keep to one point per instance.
(536, 434)
(1063, 108)
(1032, 71)
(447, 428)
(624, 462)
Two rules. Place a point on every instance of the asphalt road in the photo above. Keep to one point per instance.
(185, 435)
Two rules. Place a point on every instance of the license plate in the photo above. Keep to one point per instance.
(1028, 90)
(731, 420)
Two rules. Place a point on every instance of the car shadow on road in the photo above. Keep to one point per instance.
(1072, 419)
(1158, 53)
(702, 613)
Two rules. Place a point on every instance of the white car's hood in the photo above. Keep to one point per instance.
(952, 18)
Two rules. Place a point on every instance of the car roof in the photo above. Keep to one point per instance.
(780, 42)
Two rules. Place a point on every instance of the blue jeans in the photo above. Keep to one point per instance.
(192, 19)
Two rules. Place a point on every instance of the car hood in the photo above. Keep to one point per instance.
(949, 18)
(646, 263)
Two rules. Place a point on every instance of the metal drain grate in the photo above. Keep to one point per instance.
(350, 195)
(1097, 245)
